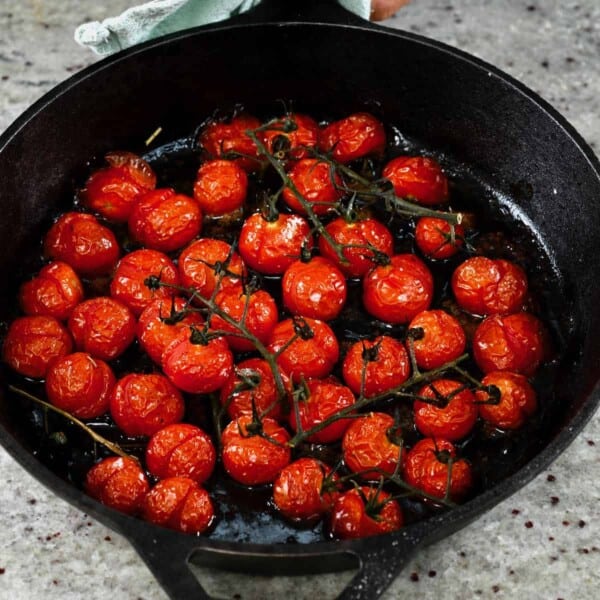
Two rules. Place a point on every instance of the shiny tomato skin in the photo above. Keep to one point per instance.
(80, 384)
(83, 243)
(443, 339)
(419, 178)
(451, 422)
(165, 221)
(118, 482)
(326, 397)
(433, 237)
(485, 286)
(270, 247)
(221, 187)
(251, 459)
(260, 318)
(141, 404)
(304, 136)
(181, 450)
(298, 491)
(350, 518)
(198, 262)
(397, 292)
(355, 136)
(32, 343)
(54, 292)
(315, 183)
(424, 471)
(197, 368)
(369, 443)
(517, 403)
(315, 288)
(364, 232)
(308, 358)
(103, 327)
(387, 368)
(129, 286)
(179, 503)
(509, 343)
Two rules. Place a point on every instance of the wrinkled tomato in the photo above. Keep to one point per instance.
(291, 136)
(438, 239)
(220, 187)
(419, 178)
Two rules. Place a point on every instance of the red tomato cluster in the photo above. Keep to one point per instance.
(287, 378)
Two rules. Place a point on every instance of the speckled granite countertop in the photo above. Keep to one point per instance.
(542, 543)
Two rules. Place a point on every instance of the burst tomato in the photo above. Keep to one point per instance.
(220, 187)
(435, 239)
(419, 178)
(290, 136)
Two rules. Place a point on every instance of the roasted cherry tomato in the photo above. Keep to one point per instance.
(181, 450)
(373, 441)
(384, 361)
(516, 402)
(113, 191)
(438, 239)
(79, 240)
(80, 384)
(179, 503)
(270, 247)
(439, 338)
(419, 178)
(313, 353)
(397, 292)
(447, 410)
(141, 404)
(363, 512)
(509, 343)
(118, 482)
(356, 136)
(257, 311)
(32, 343)
(317, 183)
(208, 263)
(54, 292)
(196, 364)
(103, 327)
(290, 136)
(305, 490)
(366, 239)
(485, 286)
(163, 220)
(255, 453)
(315, 288)
(426, 468)
(221, 187)
(324, 398)
(130, 283)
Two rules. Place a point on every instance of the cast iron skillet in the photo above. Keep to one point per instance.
(325, 60)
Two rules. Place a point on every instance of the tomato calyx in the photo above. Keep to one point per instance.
(373, 504)
(371, 354)
(302, 329)
(494, 395)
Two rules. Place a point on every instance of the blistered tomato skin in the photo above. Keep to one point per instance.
(54, 292)
(103, 327)
(220, 187)
(385, 363)
(250, 458)
(294, 143)
(364, 232)
(356, 136)
(455, 415)
(165, 221)
(419, 178)
(80, 384)
(435, 239)
(516, 404)
(32, 343)
(118, 482)
(485, 286)
(83, 243)
(509, 343)
(141, 404)
(179, 503)
(181, 450)
(397, 292)
(315, 289)
(270, 247)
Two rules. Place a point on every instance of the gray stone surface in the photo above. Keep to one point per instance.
(542, 543)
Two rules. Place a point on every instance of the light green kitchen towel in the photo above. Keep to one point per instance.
(160, 17)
